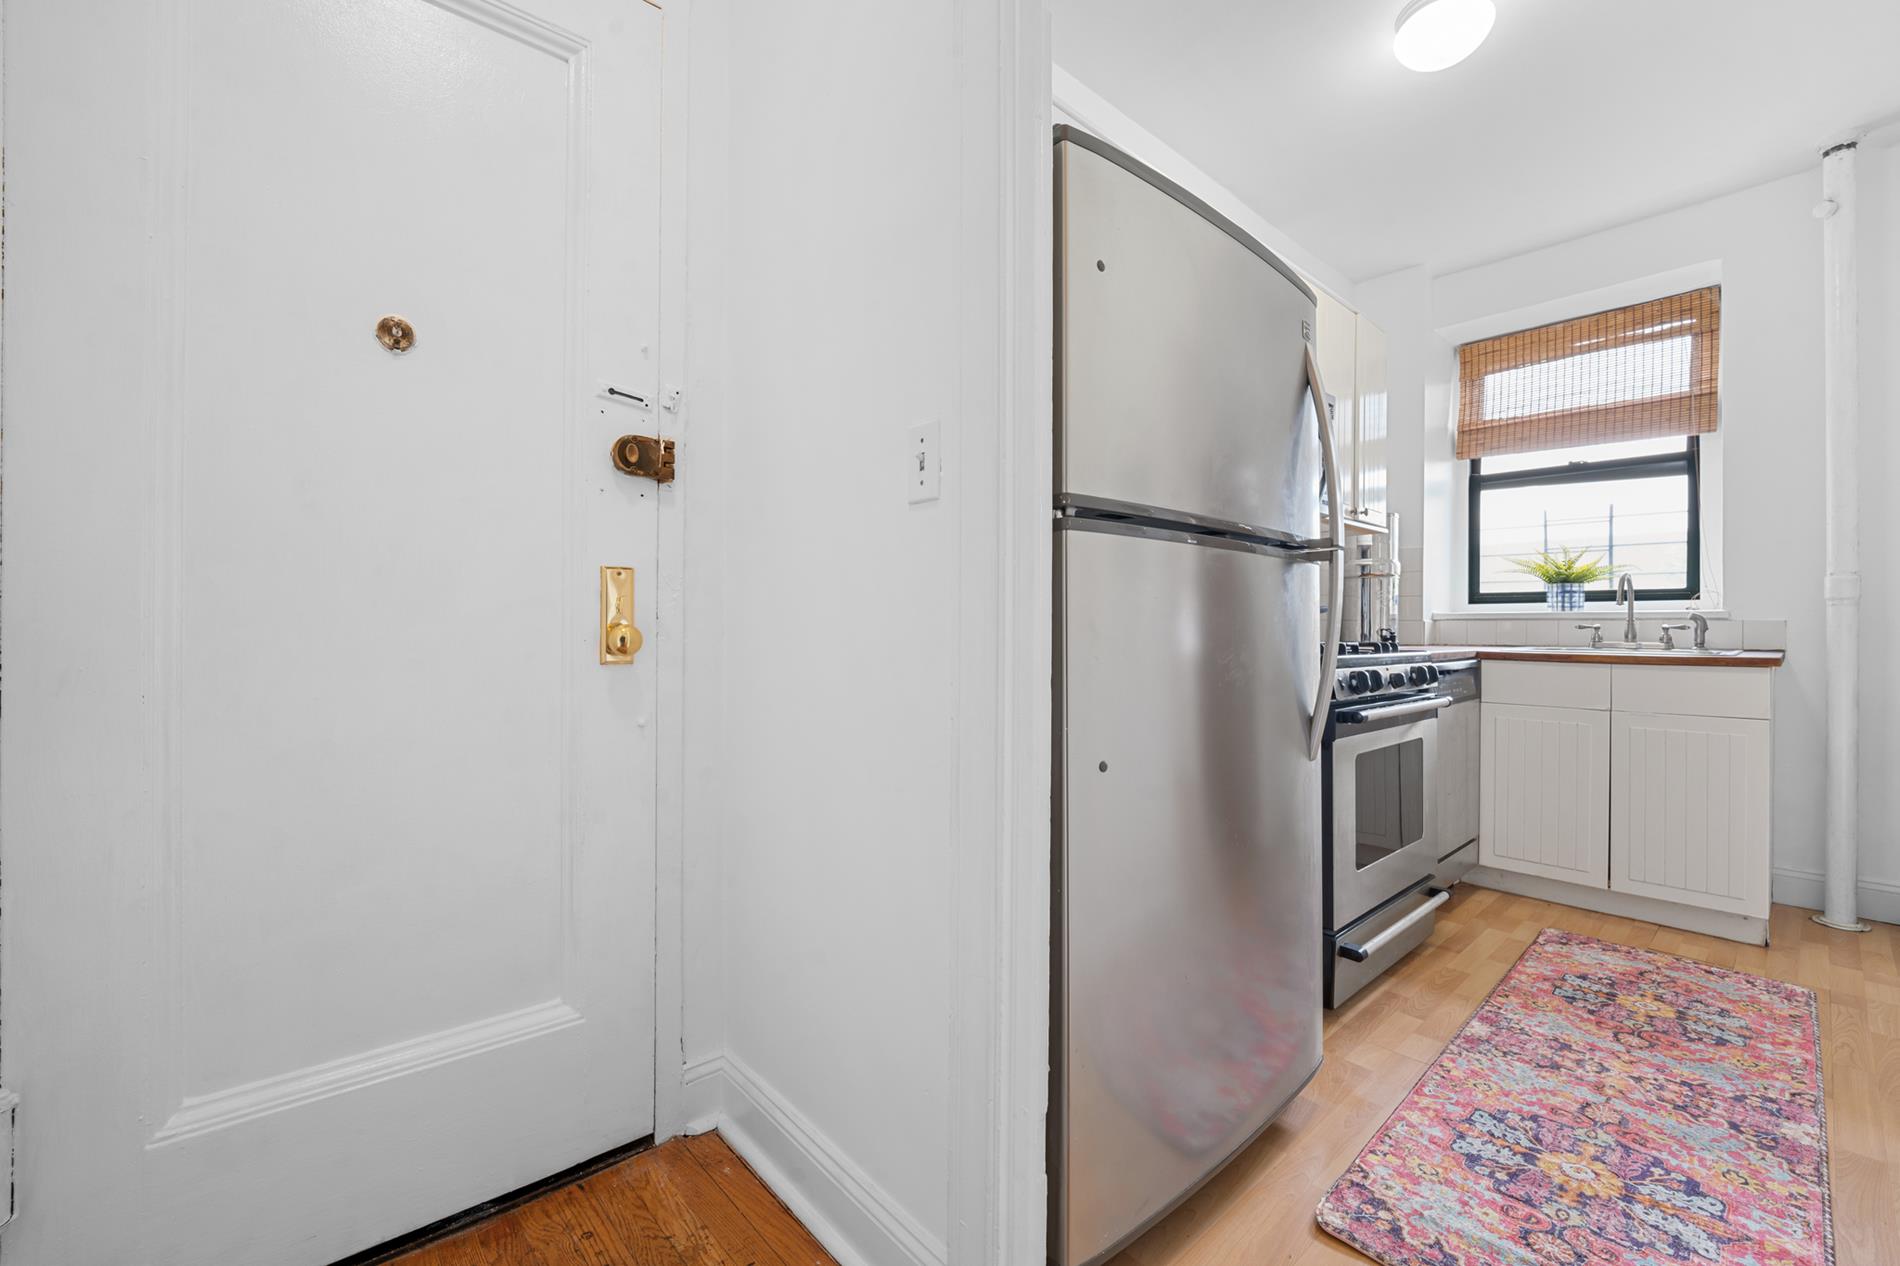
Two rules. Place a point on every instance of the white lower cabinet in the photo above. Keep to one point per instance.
(1631, 786)
(1545, 782)
(1689, 809)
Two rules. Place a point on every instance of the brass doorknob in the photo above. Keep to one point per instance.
(623, 641)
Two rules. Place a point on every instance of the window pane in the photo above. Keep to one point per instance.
(1589, 453)
(1636, 525)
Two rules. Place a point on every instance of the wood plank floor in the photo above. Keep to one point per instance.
(688, 1202)
(1259, 1210)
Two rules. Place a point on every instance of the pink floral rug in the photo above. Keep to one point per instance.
(1606, 1105)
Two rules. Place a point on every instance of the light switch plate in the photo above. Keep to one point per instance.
(923, 470)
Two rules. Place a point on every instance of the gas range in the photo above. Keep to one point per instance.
(1379, 814)
(1378, 674)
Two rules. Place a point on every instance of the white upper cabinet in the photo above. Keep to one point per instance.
(1352, 360)
(1369, 414)
(1336, 341)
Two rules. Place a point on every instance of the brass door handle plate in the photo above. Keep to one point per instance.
(620, 641)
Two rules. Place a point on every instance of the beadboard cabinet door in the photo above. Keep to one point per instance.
(1689, 810)
(1546, 792)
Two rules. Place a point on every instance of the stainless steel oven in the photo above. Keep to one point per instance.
(1380, 819)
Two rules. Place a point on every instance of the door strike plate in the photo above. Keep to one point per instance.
(647, 456)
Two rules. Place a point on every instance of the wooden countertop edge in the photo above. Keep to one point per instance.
(1747, 659)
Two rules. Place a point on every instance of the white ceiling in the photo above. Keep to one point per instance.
(1574, 116)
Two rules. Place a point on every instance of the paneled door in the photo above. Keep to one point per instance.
(329, 840)
(1689, 810)
(1546, 792)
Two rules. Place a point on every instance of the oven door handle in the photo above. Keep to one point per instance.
(1360, 953)
(1410, 708)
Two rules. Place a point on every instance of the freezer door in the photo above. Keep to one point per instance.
(1180, 365)
(1188, 938)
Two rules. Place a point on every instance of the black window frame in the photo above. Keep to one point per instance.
(1659, 465)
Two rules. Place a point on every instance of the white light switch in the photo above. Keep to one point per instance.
(923, 470)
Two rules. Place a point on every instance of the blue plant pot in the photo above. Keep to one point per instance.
(1564, 597)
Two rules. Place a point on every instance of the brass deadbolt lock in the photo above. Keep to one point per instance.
(647, 456)
(395, 333)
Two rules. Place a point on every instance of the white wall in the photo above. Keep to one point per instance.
(823, 738)
(1768, 248)
(843, 644)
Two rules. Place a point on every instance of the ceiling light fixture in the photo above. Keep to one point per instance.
(1434, 34)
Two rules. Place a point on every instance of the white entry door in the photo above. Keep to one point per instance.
(329, 841)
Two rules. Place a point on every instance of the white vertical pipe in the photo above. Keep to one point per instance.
(1841, 282)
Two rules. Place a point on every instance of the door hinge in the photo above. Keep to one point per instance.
(647, 456)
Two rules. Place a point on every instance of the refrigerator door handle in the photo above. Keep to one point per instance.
(1335, 544)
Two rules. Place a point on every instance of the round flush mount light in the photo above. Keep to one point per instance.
(1434, 34)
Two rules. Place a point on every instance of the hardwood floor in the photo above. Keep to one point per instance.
(693, 1202)
(1260, 1209)
(688, 1202)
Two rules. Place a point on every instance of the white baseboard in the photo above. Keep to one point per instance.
(1794, 886)
(1732, 927)
(838, 1202)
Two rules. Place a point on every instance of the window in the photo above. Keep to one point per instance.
(1584, 435)
(1633, 505)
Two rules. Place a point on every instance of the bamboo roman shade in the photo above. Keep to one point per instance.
(1636, 373)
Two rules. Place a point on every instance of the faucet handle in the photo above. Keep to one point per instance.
(1596, 634)
(1668, 642)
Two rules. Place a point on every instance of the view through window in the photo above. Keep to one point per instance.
(1631, 505)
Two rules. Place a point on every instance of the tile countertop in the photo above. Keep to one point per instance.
(1584, 655)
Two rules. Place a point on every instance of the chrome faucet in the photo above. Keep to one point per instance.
(1701, 623)
(1626, 593)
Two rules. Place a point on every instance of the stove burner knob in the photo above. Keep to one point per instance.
(1356, 682)
(1431, 673)
(1395, 679)
(1418, 675)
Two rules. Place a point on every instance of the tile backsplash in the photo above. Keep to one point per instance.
(1413, 628)
(1535, 630)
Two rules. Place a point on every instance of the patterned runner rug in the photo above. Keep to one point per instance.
(1606, 1105)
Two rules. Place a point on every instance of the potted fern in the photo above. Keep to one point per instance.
(1565, 575)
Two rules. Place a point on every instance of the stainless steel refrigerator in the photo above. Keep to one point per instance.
(1188, 670)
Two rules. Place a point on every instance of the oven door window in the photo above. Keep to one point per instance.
(1390, 810)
